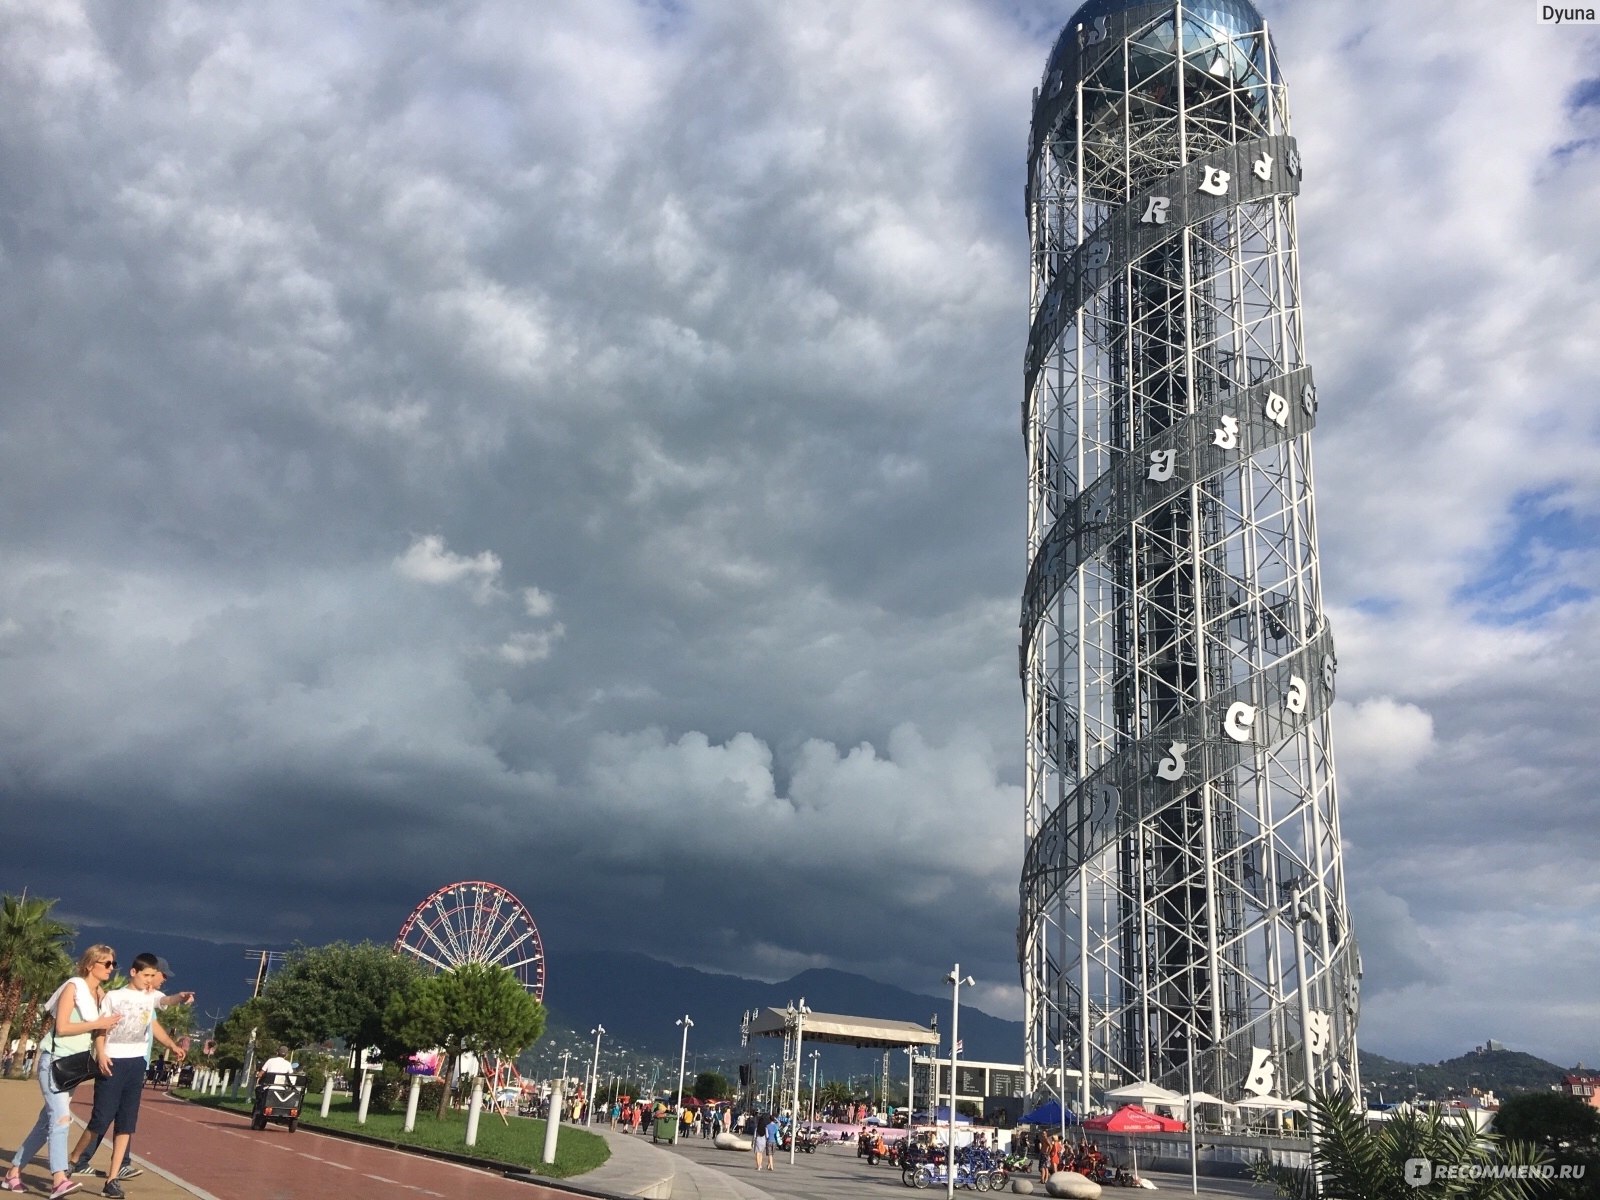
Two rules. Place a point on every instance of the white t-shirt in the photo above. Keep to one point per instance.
(277, 1065)
(131, 1036)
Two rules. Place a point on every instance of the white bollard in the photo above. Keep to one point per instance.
(411, 1102)
(327, 1093)
(366, 1097)
(552, 1124)
(474, 1107)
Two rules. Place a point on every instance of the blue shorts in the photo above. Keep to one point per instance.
(116, 1096)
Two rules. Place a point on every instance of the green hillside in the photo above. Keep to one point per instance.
(1503, 1072)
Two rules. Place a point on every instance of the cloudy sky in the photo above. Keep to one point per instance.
(576, 445)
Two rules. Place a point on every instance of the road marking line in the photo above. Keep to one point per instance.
(381, 1179)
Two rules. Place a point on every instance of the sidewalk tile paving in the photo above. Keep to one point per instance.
(636, 1170)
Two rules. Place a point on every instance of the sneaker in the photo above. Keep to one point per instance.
(114, 1190)
(83, 1169)
(13, 1182)
(65, 1187)
(129, 1171)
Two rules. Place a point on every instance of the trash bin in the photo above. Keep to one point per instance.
(665, 1128)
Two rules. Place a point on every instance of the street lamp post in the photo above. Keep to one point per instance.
(683, 1056)
(1194, 1149)
(594, 1075)
(911, 1085)
(815, 1055)
(955, 980)
(1061, 1052)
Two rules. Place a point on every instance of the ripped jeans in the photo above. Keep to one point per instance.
(53, 1125)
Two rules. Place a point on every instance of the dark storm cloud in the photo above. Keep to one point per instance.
(579, 448)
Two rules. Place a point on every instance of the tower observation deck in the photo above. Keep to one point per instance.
(1182, 895)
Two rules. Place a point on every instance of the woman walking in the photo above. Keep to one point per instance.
(75, 1007)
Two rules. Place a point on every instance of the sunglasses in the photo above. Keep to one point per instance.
(109, 962)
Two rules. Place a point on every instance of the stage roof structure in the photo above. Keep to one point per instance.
(839, 1030)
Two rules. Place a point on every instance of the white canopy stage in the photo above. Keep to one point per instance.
(841, 1030)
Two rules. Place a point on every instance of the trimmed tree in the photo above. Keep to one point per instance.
(1567, 1129)
(339, 991)
(710, 1085)
(478, 1008)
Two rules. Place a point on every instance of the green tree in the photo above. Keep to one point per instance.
(177, 1020)
(711, 1085)
(31, 941)
(233, 1033)
(40, 978)
(339, 991)
(1356, 1162)
(833, 1091)
(478, 1008)
(1566, 1128)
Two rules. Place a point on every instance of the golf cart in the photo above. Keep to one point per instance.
(278, 1097)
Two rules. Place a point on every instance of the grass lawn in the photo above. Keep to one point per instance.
(517, 1141)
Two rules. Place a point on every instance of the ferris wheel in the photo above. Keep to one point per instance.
(475, 922)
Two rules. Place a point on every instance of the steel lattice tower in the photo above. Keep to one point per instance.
(1181, 817)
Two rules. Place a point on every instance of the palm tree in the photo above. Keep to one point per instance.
(40, 978)
(1355, 1162)
(29, 938)
(833, 1091)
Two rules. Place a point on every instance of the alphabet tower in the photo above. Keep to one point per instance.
(1183, 908)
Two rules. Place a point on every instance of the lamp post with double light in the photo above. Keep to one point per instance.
(955, 980)
(815, 1055)
(683, 1057)
(599, 1032)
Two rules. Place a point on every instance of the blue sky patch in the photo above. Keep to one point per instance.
(1529, 573)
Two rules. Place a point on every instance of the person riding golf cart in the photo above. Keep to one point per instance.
(280, 1091)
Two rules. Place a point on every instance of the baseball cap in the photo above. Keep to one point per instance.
(164, 966)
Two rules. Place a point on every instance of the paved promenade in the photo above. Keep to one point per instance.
(194, 1153)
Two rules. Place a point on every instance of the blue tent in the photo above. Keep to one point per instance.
(1048, 1113)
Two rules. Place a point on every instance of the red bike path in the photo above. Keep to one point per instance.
(215, 1155)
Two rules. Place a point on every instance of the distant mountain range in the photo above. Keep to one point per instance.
(638, 999)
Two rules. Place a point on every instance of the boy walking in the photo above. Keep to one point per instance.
(122, 1052)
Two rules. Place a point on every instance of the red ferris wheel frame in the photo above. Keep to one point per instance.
(475, 921)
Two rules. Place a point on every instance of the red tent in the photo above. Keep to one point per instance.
(1130, 1118)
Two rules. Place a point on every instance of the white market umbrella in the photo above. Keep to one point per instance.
(1272, 1102)
(1140, 1092)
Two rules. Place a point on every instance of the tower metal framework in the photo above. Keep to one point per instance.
(1182, 896)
